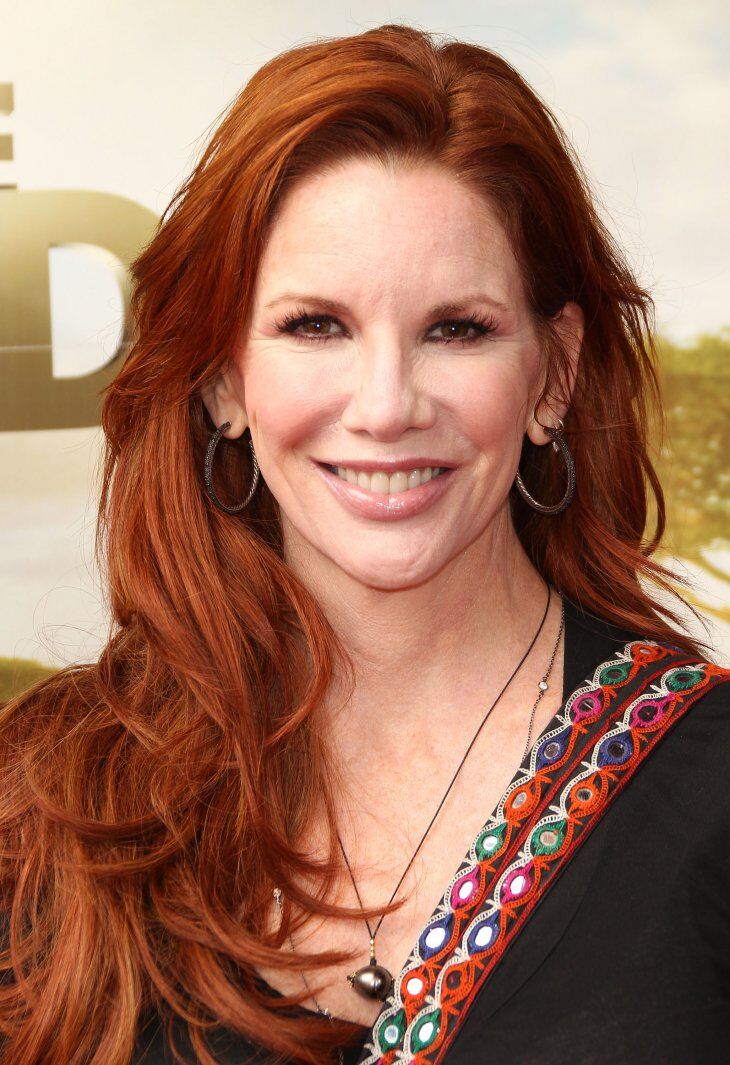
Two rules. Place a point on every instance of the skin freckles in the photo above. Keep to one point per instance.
(387, 246)
(435, 609)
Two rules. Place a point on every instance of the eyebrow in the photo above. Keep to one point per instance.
(439, 311)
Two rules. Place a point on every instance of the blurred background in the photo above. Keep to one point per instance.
(106, 106)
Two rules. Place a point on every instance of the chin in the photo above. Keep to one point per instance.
(390, 577)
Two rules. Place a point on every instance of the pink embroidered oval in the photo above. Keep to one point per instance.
(464, 889)
(518, 882)
(647, 713)
(586, 705)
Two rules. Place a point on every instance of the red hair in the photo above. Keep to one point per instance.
(152, 800)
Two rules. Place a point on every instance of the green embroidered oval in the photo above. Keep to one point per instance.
(616, 673)
(392, 1031)
(426, 1030)
(490, 841)
(547, 839)
(679, 680)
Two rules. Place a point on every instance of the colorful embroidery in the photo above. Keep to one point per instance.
(568, 780)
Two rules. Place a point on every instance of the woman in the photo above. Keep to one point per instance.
(368, 626)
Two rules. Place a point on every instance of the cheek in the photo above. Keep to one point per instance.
(283, 402)
(290, 399)
(492, 406)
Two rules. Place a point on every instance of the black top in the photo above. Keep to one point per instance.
(627, 958)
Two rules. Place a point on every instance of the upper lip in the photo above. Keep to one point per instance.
(389, 465)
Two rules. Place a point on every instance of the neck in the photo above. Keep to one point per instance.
(423, 653)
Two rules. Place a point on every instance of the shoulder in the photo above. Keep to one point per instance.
(685, 778)
(590, 637)
(703, 731)
(676, 807)
(698, 739)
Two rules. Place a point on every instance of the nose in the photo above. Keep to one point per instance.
(387, 395)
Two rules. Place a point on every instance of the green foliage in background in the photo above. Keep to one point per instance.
(17, 674)
(709, 356)
(693, 465)
(694, 462)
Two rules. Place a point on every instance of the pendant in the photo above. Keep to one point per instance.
(372, 981)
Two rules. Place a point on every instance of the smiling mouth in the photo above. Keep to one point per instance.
(380, 482)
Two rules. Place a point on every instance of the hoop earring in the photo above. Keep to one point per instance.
(208, 471)
(560, 445)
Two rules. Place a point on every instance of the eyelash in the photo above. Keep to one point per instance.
(288, 324)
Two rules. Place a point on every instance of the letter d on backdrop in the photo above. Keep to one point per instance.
(31, 223)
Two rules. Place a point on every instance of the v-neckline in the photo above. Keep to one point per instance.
(584, 647)
(588, 641)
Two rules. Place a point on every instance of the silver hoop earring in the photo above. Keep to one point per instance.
(208, 472)
(560, 445)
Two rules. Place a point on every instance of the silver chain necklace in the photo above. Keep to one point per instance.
(374, 981)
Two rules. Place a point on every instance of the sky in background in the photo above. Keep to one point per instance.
(121, 97)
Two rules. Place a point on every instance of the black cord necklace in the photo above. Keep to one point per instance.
(374, 981)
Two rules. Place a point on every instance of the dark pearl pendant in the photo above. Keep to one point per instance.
(373, 980)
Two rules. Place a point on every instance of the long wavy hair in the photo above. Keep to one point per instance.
(152, 799)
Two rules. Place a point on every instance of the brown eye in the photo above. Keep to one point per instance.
(321, 326)
(309, 327)
(455, 330)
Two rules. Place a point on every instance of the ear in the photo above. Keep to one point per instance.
(223, 400)
(569, 324)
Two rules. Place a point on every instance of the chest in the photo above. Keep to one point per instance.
(382, 828)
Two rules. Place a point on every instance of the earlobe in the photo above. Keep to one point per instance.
(224, 405)
(544, 415)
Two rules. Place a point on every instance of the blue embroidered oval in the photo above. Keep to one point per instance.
(615, 750)
(435, 936)
(484, 934)
(552, 749)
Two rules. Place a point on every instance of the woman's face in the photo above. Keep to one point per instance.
(389, 323)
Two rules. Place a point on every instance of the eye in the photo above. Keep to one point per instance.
(482, 326)
(318, 328)
(322, 323)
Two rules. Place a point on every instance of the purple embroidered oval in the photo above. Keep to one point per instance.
(552, 749)
(615, 750)
(435, 937)
(483, 935)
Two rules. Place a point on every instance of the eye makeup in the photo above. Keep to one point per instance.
(482, 325)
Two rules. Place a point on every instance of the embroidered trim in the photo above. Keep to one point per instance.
(567, 781)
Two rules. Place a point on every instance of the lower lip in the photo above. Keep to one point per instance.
(387, 507)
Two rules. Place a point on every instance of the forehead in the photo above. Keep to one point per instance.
(366, 227)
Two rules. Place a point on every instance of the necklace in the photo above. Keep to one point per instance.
(320, 1009)
(374, 981)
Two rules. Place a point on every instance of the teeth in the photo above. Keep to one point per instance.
(388, 484)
